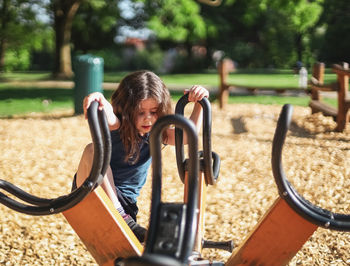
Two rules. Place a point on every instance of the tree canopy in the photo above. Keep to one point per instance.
(254, 33)
(20, 31)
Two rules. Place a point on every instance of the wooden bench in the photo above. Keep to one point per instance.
(341, 87)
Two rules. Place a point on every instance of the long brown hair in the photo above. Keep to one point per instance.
(134, 88)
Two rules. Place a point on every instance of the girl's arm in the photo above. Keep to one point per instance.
(195, 94)
(113, 121)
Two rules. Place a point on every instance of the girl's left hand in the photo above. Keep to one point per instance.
(196, 93)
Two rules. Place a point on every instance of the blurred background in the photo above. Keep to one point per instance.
(171, 36)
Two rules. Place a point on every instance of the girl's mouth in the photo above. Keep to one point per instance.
(146, 127)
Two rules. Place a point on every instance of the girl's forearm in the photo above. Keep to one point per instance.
(197, 116)
(113, 121)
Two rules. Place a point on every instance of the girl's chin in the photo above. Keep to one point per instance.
(145, 130)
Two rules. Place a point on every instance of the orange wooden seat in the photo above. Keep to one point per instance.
(276, 239)
(102, 229)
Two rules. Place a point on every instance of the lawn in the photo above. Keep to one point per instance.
(19, 100)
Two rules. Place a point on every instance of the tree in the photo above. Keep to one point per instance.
(178, 22)
(335, 41)
(262, 33)
(63, 13)
(95, 28)
(20, 30)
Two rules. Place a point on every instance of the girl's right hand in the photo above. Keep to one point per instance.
(95, 96)
(113, 122)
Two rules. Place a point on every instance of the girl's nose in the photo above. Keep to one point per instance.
(148, 117)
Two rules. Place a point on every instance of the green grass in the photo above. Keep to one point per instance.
(258, 79)
(25, 76)
(15, 100)
(272, 80)
(275, 99)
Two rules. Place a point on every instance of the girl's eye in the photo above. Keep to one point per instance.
(153, 113)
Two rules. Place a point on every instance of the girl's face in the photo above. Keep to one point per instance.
(146, 115)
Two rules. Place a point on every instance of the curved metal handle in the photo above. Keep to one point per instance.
(211, 171)
(42, 206)
(191, 216)
(304, 208)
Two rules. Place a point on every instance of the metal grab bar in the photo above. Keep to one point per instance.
(186, 213)
(211, 159)
(42, 206)
(304, 208)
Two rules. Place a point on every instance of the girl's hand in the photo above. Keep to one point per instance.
(113, 121)
(196, 93)
(95, 96)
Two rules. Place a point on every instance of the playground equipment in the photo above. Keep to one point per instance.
(174, 229)
(172, 226)
(339, 114)
(290, 221)
(304, 208)
(281, 232)
(93, 216)
(98, 224)
(209, 171)
(105, 233)
(40, 206)
(88, 210)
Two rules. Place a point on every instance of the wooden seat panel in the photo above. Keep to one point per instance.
(102, 229)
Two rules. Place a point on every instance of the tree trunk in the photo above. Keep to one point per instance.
(64, 12)
(190, 63)
(2, 54)
(4, 19)
(299, 46)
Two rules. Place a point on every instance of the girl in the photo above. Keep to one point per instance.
(139, 101)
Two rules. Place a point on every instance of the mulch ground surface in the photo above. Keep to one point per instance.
(40, 154)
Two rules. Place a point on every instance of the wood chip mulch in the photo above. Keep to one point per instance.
(40, 154)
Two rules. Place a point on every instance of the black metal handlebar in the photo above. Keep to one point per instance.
(304, 208)
(186, 214)
(211, 160)
(42, 206)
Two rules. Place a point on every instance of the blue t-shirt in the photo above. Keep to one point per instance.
(129, 178)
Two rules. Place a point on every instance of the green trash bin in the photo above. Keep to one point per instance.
(88, 78)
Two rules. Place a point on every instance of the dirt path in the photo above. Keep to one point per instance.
(41, 154)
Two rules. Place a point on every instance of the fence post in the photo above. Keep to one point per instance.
(343, 85)
(318, 74)
(224, 68)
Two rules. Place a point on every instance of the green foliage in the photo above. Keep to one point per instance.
(263, 33)
(131, 59)
(94, 25)
(254, 33)
(17, 59)
(112, 60)
(21, 32)
(148, 59)
(335, 40)
(176, 20)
